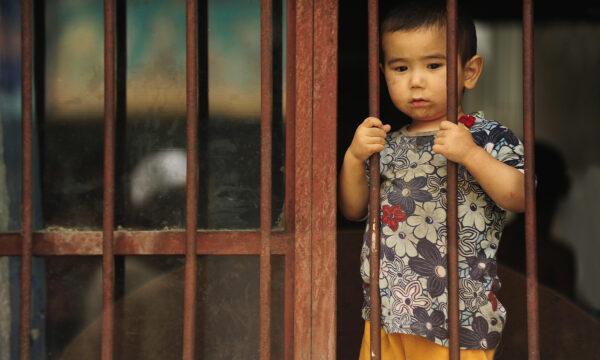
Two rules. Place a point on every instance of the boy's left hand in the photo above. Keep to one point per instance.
(454, 141)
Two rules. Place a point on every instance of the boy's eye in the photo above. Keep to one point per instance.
(401, 68)
(433, 66)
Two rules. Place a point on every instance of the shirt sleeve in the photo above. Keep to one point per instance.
(502, 144)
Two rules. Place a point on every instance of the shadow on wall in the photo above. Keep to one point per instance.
(553, 185)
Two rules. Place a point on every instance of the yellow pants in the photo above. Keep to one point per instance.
(413, 347)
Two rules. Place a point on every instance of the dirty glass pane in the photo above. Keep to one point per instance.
(10, 193)
(153, 168)
(72, 91)
(73, 306)
(228, 309)
(10, 116)
(150, 140)
(229, 138)
(143, 285)
(149, 307)
(5, 310)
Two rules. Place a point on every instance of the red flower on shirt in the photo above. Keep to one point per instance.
(467, 120)
(392, 215)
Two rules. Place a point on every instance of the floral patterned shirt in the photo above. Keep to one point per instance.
(412, 280)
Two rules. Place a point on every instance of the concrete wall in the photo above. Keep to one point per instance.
(567, 114)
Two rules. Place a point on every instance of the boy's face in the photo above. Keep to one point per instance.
(414, 66)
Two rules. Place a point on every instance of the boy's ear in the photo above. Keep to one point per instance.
(472, 71)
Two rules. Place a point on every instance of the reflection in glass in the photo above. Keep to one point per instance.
(71, 117)
(151, 88)
(149, 307)
(228, 310)
(74, 303)
(152, 172)
(10, 193)
(10, 117)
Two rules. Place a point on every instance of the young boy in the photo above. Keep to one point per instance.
(413, 281)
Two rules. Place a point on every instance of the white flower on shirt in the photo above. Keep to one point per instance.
(491, 242)
(472, 212)
(426, 220)
(507, 153)
(440, 163)
(398, 272)
(471, 294)
(418, 165)
(401, 240)
(408, 297)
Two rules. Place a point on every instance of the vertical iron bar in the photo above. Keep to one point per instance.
(304, 43)
(289, 205)
(266, 96)
(110, 111)
(452, 212)
(323, 199)
(27, 169)
(191, 265)
(530, 207)
(374, 205)
(290, 114)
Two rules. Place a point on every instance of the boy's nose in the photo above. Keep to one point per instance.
(416, 79)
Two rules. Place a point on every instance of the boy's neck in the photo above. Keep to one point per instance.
(416, 126)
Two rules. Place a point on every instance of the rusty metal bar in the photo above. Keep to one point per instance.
(49, 243)
(302, 174)
(27, 170)
(191, 265)
(288, 305)
(289, 116)
(110, 113)
(266, 139)
(374, 201)
(452, 212)
(323, 207)
(530, 201)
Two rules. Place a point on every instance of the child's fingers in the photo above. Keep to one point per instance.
(375, 132)
(372, 122)
(445, 125)
(375, 148)
(376, 140)
(462, 126)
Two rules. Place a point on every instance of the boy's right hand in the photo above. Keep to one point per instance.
(369, 138)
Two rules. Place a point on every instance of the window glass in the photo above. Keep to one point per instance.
(150, 134)
(149, 307)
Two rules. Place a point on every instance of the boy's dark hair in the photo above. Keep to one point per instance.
(414, 14)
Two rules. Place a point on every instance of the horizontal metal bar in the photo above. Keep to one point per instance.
(48, 243)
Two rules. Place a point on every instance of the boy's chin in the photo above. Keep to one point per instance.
(428, 119)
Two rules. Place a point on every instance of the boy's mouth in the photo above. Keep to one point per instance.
(419, 102)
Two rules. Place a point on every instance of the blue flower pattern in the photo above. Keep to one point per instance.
(413, 283)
